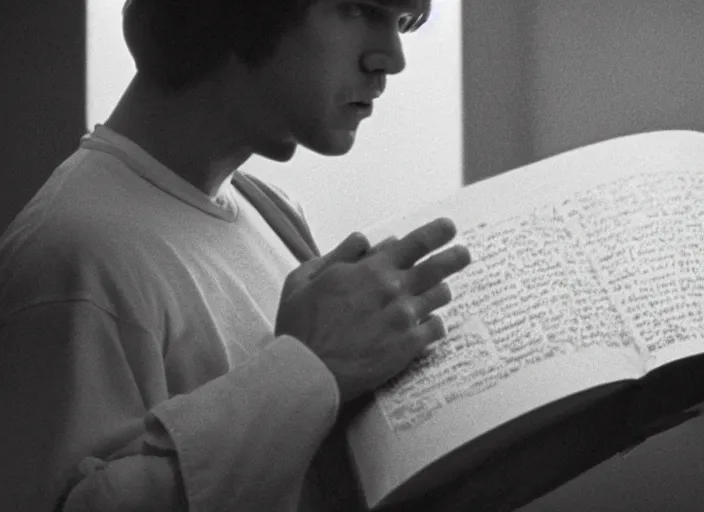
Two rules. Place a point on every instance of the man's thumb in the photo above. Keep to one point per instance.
(350, 250)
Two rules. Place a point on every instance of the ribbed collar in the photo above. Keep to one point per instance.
(223, 205)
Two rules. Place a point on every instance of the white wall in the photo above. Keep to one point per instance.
(409, 152)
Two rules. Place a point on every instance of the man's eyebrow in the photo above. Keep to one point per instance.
(409, 6)
(413, 13)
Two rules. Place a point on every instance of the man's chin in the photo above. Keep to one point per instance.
(279, 152)
(339, 144)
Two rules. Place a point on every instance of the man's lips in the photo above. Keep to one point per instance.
(362, 109)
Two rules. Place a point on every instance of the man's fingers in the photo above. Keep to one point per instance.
(408, 312)
(350, 250)
(421, 241)
(384, 244)
(436, 297)
(438, 267)
(429, 331)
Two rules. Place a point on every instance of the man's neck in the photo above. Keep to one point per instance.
(184, 132)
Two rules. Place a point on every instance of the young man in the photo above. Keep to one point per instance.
(170, 338)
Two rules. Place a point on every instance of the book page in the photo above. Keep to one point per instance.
(648, 246)
(529, 324)
(531, 320)
(530, 296)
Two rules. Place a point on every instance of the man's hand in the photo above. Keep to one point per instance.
(368, 313)
(351, 250)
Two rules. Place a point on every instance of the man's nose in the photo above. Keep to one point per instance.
(389, 60)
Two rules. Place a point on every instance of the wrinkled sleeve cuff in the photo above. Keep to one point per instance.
(246, 439)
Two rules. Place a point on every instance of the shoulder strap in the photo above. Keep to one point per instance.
(331, 471)
(283, 219)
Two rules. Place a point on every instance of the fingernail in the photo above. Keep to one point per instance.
(443, 329)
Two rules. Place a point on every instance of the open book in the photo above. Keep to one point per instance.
(586, 286)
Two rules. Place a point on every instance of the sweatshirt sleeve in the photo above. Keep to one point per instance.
(90, 425)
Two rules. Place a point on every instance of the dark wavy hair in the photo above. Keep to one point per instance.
(176, 43)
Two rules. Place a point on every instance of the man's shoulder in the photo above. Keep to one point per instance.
(70, 238)
(74, 210)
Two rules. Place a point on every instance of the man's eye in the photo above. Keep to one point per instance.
(353, 10)
(405, 22)
(361, 10)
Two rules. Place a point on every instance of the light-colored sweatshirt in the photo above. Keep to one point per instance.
(138, 364)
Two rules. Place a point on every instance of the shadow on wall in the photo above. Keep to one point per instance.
(542, 77)
(42, 94)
